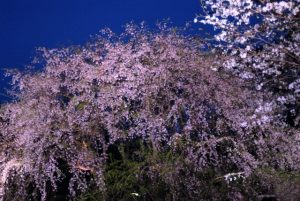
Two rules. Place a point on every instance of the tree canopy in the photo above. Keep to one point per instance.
(151, 107)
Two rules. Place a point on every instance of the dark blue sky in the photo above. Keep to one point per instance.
(27, 24)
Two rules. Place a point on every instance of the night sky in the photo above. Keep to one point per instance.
(27, 24)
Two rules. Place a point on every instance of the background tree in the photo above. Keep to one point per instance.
(261, 42)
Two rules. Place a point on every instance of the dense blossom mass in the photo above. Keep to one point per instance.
(199, 125)
(261, 40)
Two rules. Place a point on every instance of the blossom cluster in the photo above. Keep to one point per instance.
(261, 42)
